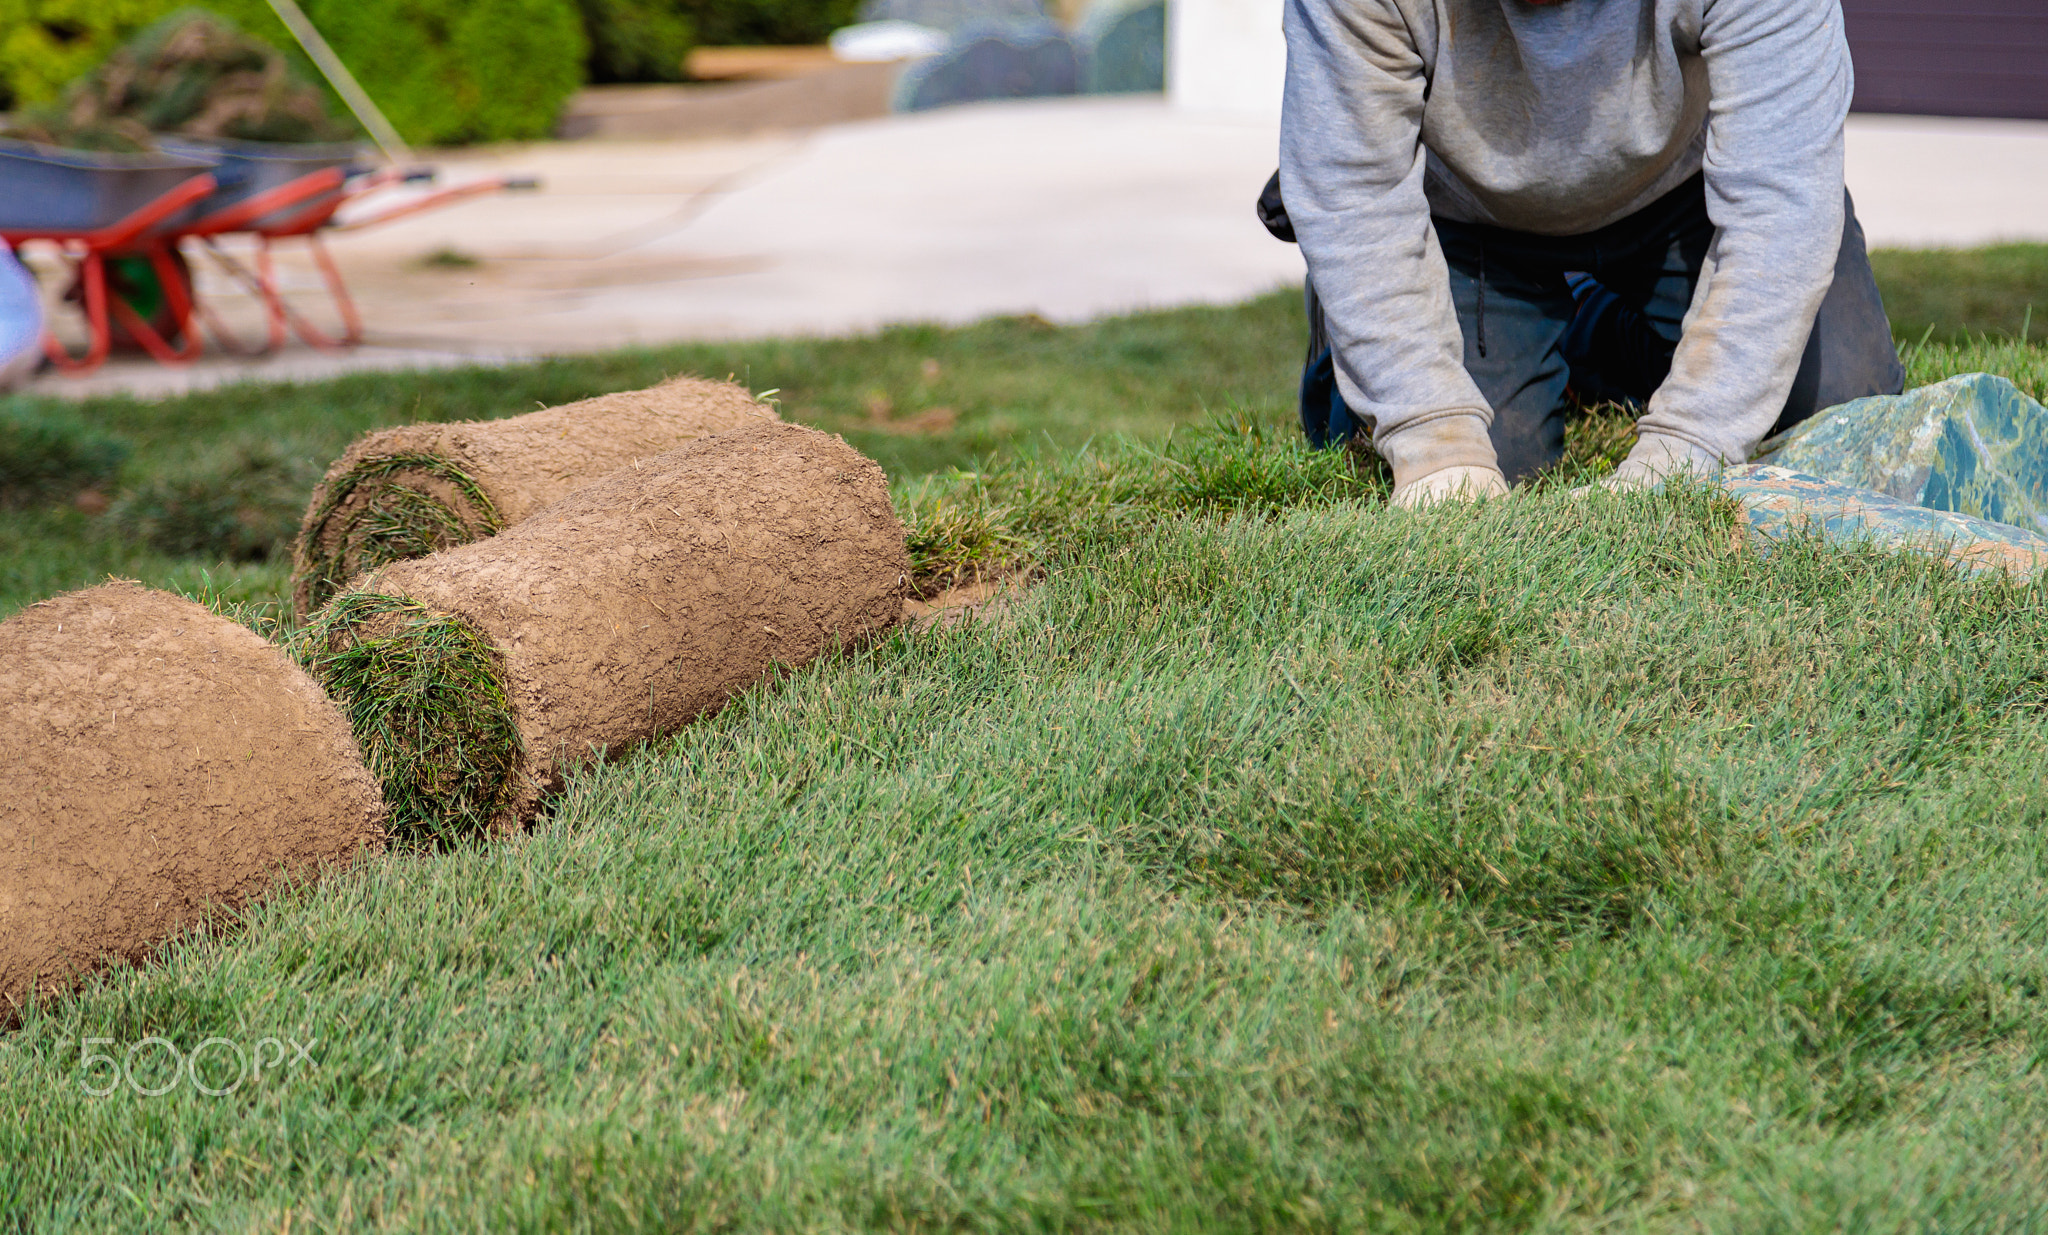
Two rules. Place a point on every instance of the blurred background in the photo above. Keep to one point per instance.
(580, 175)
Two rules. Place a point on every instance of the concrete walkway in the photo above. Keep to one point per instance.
(1070, 209)
(1923, 182)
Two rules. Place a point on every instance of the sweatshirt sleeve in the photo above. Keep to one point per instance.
(1779, 80)
(1351, 168)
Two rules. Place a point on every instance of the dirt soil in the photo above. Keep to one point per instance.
(163, 761)
(969, 604)
(521, 464)
(648, 599)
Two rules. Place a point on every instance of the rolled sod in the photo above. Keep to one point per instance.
(477, 677)
(404, 492)
(162, 762)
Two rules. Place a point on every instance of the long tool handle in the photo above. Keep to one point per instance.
(386, 137)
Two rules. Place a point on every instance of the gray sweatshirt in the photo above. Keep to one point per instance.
(1559, 120)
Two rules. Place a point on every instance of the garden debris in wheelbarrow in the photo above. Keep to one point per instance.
(194, 75)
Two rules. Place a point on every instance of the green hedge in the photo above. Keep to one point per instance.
(46, 43)
(636, 40)
(747, 23)
(444, 71)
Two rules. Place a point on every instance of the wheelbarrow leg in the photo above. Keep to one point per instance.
(351, 323)
(282, 319)
(92, 285)
(255, 284)
(278, 314)
(283, 313)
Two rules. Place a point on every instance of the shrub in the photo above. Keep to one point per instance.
(44, 44)
(449, 71)
(52, 456)
(194, 74)
(443, 71)
(742, 23)
(635, 40)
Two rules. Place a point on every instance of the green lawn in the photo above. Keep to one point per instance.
(1280, 862)
(1952, 296)
(215, 482)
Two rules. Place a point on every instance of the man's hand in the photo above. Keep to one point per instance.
(1451, 484)
(1657, 457)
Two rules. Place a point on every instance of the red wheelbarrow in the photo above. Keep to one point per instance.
(135, 211)
(93, 207)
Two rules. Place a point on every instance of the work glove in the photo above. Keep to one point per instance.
(1446, 458)
(1450, 484)
(1656, 458)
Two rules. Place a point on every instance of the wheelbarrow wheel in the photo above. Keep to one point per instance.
(133, 280)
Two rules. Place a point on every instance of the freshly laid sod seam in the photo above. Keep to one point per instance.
(424, 693)
(1012, 514)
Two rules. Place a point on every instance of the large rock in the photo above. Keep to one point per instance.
(1780, 503)
(1126, 46)
(1023, 60)
(1974, 445)
(953, 15)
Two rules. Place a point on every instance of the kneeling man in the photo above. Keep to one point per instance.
(1639, 199)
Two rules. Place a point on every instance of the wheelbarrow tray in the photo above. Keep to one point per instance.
(245, 169)
(53, 189)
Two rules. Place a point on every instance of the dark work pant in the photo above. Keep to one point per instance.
(1549, 320)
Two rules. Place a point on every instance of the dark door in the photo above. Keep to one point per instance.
(1950, 57)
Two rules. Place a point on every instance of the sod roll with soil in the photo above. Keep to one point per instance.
(477, 677)
(402, 493)
(161, 761)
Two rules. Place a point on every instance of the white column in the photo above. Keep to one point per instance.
(1225, 55)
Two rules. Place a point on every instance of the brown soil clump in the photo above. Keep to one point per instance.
(649, 598)
(162, 761)
(969, 604)
(404, 492)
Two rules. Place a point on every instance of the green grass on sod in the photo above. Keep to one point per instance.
(425, 696)
(1280, 861)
